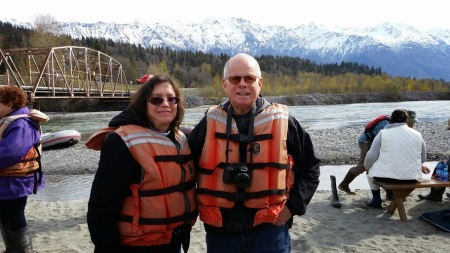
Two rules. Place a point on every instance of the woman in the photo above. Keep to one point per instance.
(397, 153)
(20, 167)
(143, 197)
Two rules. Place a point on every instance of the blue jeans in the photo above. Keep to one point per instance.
(267, 238)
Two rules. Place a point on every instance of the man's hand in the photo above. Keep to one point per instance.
(284, 216)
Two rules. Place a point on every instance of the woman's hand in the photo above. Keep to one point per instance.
(425, 169)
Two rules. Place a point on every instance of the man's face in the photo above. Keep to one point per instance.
(242, 84)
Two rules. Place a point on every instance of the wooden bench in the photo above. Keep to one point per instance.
(401, 190)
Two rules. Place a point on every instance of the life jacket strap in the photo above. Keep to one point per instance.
(161, 221)
(38, 172)
(241, 196)
(173, 158)
(181, 187)
(243, 137)
(253, 167)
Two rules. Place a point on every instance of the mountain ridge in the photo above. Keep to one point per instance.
(399, 49)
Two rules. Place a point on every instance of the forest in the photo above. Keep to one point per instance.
(282, 75)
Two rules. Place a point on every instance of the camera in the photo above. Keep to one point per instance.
(240, 175)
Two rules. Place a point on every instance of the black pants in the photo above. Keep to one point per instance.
(12, 213)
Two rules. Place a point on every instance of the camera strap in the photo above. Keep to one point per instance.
(228, 132)
(248, 138)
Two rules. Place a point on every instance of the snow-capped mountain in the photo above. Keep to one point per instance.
(399, 49)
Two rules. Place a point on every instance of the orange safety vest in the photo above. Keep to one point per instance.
(164, 200)
(29, 164)
(31, 161)
(271, 174)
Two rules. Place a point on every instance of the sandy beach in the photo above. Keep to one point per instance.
(58, 223)
(60, 226)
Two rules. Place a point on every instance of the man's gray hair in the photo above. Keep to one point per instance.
(244, 55)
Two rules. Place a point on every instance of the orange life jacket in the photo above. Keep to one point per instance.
(164, 201)
(29, 164)
(31, 161)
(369, 127)
(270, 169)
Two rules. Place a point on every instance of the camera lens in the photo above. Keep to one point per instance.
(242, 180)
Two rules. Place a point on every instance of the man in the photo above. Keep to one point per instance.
(256, 166)
(365, 141)
(436, 192)
(397, 154)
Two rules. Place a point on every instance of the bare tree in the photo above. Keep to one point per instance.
(47, 32)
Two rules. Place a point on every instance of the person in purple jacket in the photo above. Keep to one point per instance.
(20, 165)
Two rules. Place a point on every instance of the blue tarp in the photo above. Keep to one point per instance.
(440, 219)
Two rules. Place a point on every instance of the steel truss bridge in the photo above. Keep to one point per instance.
(63, 72)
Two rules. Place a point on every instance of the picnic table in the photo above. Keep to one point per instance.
(401, 190)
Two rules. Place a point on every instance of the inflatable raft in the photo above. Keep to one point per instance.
(60, 139)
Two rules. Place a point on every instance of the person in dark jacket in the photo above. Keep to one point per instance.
(20, 136)
(246, 193)
(143, 194)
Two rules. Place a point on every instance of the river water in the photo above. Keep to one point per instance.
(73, 187)
(309, 116)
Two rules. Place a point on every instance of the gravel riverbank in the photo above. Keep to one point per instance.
(336, 146)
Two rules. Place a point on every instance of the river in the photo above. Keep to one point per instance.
(310, 116)
(73, 187)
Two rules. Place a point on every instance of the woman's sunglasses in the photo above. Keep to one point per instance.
(159, 100)
(237, 79)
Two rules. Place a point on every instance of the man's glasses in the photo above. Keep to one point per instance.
(237, 79)
(160, 100)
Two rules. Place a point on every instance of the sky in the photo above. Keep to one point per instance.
(424, 15)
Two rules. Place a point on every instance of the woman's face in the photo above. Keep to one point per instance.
(162, 110)
(4, 110)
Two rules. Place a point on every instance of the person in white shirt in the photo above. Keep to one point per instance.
(397, 153)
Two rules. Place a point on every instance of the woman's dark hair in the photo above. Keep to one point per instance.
(399, 116)
(13, 96)
(139, 100)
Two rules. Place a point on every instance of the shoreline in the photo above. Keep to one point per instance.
(337, 146)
